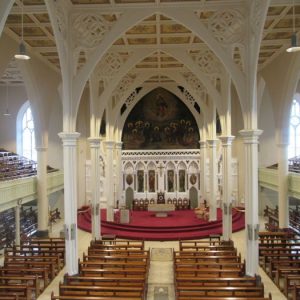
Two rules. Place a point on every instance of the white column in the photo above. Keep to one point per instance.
(119, 175)
(42, 201)
(109, 180)
(227, 186)
(69, 140)
(250, 138)
(283, 172)
(17, 224)
(203, 172)
(95, 183)
(212, 144)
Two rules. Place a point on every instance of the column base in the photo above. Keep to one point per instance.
(42, 233)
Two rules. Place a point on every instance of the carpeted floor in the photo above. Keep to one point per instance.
(145, 225)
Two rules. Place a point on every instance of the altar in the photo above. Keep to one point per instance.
(161, 210)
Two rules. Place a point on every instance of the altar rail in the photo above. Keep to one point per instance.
(25, 189)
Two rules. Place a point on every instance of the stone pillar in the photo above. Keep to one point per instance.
(283, 172)
(69, 140)
(212, 144)
(203, 173)
(250, 138)
(17, 224)
(119, 175)
(95, 187)
(42, 201)
(227, 186)
(109, 180)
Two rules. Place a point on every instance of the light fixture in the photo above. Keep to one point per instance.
(21, 55)
(6, 113)
(294, 44)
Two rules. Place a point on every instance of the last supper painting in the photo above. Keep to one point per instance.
(160, 121)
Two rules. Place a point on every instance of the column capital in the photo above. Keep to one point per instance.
(109, 144)
(94, 142)
(212, 142)
(250, 136)
(202, 144)
(118, 145)
(41, 149)
(226, 140)
(69, 138)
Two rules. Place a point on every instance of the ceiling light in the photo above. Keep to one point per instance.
(21, 55)
(294, 43)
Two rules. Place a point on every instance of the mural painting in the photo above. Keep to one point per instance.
(160, 120)
(181, 180)
(170, 176)
(151, 179)
(140, 180)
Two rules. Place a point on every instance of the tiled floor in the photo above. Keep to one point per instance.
(161, 272)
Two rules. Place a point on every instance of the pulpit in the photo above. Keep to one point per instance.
(161, 198)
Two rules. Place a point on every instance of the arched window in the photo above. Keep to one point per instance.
(25, 132)
(294, 147)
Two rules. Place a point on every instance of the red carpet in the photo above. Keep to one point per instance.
(179, 225)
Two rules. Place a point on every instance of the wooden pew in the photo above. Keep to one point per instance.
(218, 298)
(217, 259)
(198, 281)
(215, 291)
(31, 281)
(212, 273)
(115, 273)
(117, 244)
(289, 282)
(115, 291)
(22, 290)
(72, 297)
(114, 252)
(49, 265)
(41, 273)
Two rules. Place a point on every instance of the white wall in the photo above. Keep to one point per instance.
(267, 154)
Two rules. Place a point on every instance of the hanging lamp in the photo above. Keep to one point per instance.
(22, 55)
(294, 43)
(6, 113)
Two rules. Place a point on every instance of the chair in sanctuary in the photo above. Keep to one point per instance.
(142, 205)
(180, 204)
(175, 203)
(169, 201)
(186, 204)
(146, 203)
(152, 201)
(136, 204)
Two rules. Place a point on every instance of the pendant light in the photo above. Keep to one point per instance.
(22, 55)
(6, 113)
(294, 43)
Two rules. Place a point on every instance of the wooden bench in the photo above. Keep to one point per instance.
(221, 291)
(118, 244)
(198, 281)
(115, 273)
(231, 252)
(289, 281)
(212, 272)
(217, 298)
(114, 252)
(115, 291)
(22, 290)
(72, 297)
(31, 281)
(217, 259)
(41, 273)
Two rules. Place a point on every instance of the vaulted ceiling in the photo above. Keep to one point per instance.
(155, 32)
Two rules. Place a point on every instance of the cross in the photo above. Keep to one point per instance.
(161, 167)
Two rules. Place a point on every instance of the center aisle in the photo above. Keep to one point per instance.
(161, 274)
